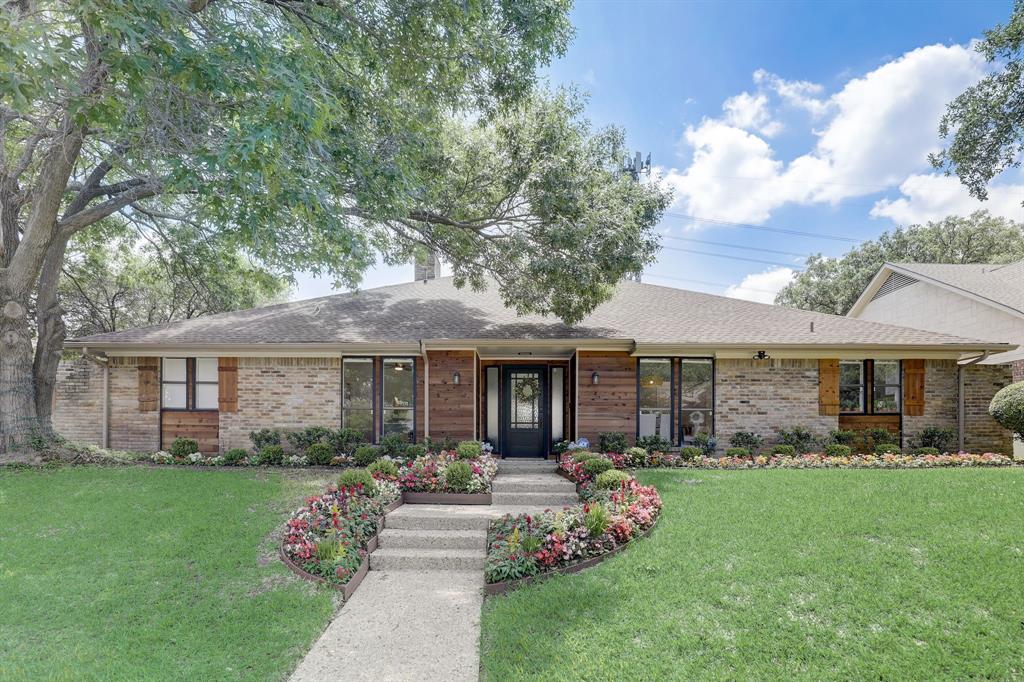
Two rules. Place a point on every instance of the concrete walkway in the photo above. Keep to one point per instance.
(416, 615)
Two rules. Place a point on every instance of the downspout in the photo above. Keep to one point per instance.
(961, 409)
(426, 391)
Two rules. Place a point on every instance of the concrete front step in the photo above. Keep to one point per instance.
(526, 466)
(394, 538)
(419, 559)
(451, 516)
(536, 499)
(532, 483)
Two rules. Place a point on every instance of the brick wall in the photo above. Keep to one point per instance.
(940, 400)
(982, 433)
(762, 395)
(611, 404)
(130, 429)
(78, 401)
(1018, 370)
(282, 393)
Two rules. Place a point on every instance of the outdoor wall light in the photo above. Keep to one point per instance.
(595, 378)
(761, 355)
(456, 377)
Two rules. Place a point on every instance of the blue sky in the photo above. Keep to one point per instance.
(812, 117)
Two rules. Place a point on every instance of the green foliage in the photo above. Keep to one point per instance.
(838, 450)
(264, 437)
(611, 479)
(531, 544)
(842, 437)
(319, 454)
(383, 467)
(366, 455)
(414, 450)
(799, 437)
(457, 476)
(394, 444)
(653, 444)
(583, 455)
(235, 455)
(784, 450)
(612, 441)
(302, 440)
(879, 436)
(636, 456)
(344, 441)
(706, 442)
(353, 478)
(690, 452)
(271, 455)
(182, 447)
(939, 438)
(832, 285)
(747, 440)
(737, 452)
(1007, 407)
(468, 449)
(927, 451)
(887, 449)
(596, 520)
(438, 445)
(597, 465)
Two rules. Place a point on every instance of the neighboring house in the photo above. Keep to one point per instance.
(427, 359)
(978, 300)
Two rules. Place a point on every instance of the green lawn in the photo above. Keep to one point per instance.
(805, 575)
(142, 573)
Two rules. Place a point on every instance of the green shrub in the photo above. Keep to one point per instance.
(612, 441)
(394, 444)
(879, 436)
(1007, 408)
(272, 455)
(561, 446)
(183, 447)
(927, 451)
(887, 449)
(319, 454)
(457, 476)
(445, 443)
(596, 520)
(706, 442)
(583, 455)
(235, 455)
(690, 452)
(636, 457)
(800, 438)
(784, 450)
(936, 438)
(344, 441)
(611, 479)
(598, 465)
(301, 440)
(842, 437)
(264, 437)
(838, 450)
(737, 452)
(468, 449)
(415, 450)
(353, 478)
(366, 455)
(383, 467)
(747, 440)
(653, 444)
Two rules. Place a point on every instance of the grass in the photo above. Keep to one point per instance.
(146, 573)
(804, 575)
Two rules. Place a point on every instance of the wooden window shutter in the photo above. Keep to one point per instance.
(149, 384)
(227, 384)
(828, 387)
(913, 388)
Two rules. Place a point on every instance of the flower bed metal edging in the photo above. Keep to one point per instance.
(349, 588)
(492, 589)
(409, 497)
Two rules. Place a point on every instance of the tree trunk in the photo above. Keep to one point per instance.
(51, 330)
(18, 419)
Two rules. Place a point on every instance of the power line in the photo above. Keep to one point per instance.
(735, 246)
(781, 230)
(723, 255)
(713, 284)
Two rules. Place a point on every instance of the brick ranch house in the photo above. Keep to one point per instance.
(427, 359)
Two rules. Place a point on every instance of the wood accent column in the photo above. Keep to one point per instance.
(149, 384)
(828, 387)
(227, 384)
(451, 405)
(610, 405)
(913, 388)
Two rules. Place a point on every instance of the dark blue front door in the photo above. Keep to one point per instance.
(525, 414)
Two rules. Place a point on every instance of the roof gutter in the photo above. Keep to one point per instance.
(961, 415)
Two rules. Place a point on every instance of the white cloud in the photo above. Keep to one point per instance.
(750, 112)
(801, 94)
(762, 286)
(881, 129)
(933, 197)
(589, 77)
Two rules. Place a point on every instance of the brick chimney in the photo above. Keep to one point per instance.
(428, 266)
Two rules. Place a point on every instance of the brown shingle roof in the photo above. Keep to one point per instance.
(408, 313)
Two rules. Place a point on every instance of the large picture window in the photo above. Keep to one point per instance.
(398, 396)
(357, 395)
(696, 397)
(869, 386)
(189, 384)
(851, 386)
(886, 380)
(655, 398)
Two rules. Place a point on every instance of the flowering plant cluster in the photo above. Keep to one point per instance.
(525, 545)
(193, 459)
(429, 474)
(328, 536)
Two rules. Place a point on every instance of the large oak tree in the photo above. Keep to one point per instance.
(309, 134)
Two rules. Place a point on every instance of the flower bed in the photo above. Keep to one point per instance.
(524, 547)
(432, 479)
(328, 540)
